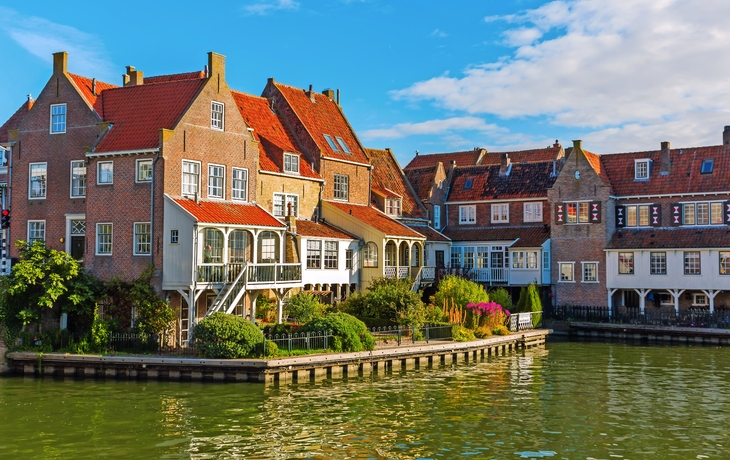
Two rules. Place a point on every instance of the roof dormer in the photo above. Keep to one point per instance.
(642, 168)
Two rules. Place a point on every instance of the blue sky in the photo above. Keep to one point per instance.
(423, 75)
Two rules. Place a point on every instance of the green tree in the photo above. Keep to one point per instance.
(304, 307)
(221, 335)
(389, 299)
(521, 306)
(502, 297)
(459, 291)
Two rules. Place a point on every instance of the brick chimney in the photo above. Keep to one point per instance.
(291, 250)
(217, 66)
(310, 93)
(330, 93)
(133, 77)
(666, 163)
(60, 62)
(504, 166)
(726, 136)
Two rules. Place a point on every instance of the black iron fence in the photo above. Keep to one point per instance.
(683, 318)
(399, 335)
(151, 344)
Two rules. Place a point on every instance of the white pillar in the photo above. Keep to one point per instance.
(642, 301)
(711, 293)
(611, 292)
(676, 293)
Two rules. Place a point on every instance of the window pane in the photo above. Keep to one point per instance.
(631, 216)
(215, 181)
(330, 254)
(314, 254)
(725, 262)
(689, 214)
(572, 213)
(106, 172)
(658, 263)
(191, 178)
(643, 216)
(58, 118)
(142, 239)
(104, 238)
(566, 272)
(240, 184)
(692, 263)
(144, 170)
(38, 180)
(78, 178)
(583, 212)
(626, 263)
(716, 213)
(703, 213)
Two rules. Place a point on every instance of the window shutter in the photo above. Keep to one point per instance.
(595, 212)
(620, 216)
(726, 207)
(676, 214)
(655, 215)
(559, 213)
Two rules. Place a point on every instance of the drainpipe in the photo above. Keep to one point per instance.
(152, 210)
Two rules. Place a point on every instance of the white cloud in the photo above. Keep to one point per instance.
(439, 33)
(431, 127)
(42, 38)
(266, 7)
(625, 70)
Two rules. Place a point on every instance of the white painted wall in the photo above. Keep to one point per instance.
(323, 275)
(178, 262)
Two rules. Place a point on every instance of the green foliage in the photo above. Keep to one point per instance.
(221, 335)
(500, 330)
(461, 334)
(265, 309)
(350, 334)
(389, 299)
(502, 297)
(154, 315)
(458, 291)
(521, 306)
(304, 307)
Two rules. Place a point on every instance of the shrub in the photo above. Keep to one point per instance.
(489, 314)
(461, 334)
(304, 307)
(502, 297)
(221, 335)
(500, 330)
(350, 334)
(458, 291)
(482, 332)
(389, 299)
(521, 306)
(265, 309)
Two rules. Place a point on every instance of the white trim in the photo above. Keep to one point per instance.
(69, 218)
(298, 162)
(65, 118)
(223, 116)
(284, 210)
(96, 239)
(98, 169)
(510, 200)
(583, 272)
(669, 195)
(71, 179)
(534, 205)
(346, 161)
(273, 173)
(134, 239)
(694, 299)
(500, 208)
(30, 175)
(347, 187)
(27, 228)
(233, 197)
(136, 170)
(638, 161)
(223, 185)
(466, 221)
(572, 272)
(122, 153)
(182, 177)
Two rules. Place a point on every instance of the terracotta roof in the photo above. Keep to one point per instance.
(529, 237)
(525, 180)
(85, 85)
(524, 156)
(384, 192)
(595, 161)
(684, 174)
(430, 233)
(174, 77)
(322, 230)
(376, 219)
(466, 158)
(222, 212)
(671, 238)
(388, 175)
(422, 180)
(270, 132)
(14, 121)
(137, 113)
(321, 117)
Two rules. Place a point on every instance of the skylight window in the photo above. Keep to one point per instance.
(468, 183)
(331, 143)
(707, 165)
(342, 144)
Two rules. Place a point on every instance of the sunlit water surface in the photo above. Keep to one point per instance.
(568, 401)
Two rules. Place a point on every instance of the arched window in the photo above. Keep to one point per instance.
(213, 248)
(370, 255)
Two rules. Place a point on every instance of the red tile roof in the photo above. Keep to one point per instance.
(137, 113)
(321, 117)
(388, 175)
(671, 238)
(524, 156)
(422, 180)
(85, 85)
(271, 133)
(525, 180)
(430, 233)
(322, 230)
(684, 174)
(376, 219)
(14, 121)
(384, 192)
(466, 158)
(221, 212)
(528, 237)
(174, 77)
(595, 161)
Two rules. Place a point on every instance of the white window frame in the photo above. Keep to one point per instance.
(136, 241)
(642, 169)
(138, 169)
(110, 243)
(81, 180)
(560, 272)
(696, 299)
(174, 236)
(32, 223)
(217, 117)
(468, 214)
(349, 259)
(715, 214)
(221, 177)
(521, 260)
(685, 261)
(314, 257)
(584, 265)
(291, 163)
(98, 172)
(652, 265)
(724, 262)
(436, 216)
(632, 267)
(393, 206)
(342, 187)
(43, 179)
(532, 212)
(287, 198)
(370, 255)
(63, 115)
(327, 251)
(183, 184)
(240, 193)
(500, 213)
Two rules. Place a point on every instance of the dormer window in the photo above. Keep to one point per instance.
(217, 110)
(641, 169)
(707, 165)
(342, 144)
(331, 143)
(468, 183)
(291, 163)
(392, 207)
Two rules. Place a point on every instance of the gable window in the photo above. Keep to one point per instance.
(658, 263)
(105, 172)
(590, 272)
(314, 254)
(331, 143)
(104, 239)
(144, 170)
(725, 262)
(392, 207)
(577, 212)
(240, 184)
(281, 204)
(566, 272)
(637, 216)
(58, 118)
(468, 214)
(500, 213)
(78, 178)
(217, 111)
(342, 144)
(142, 238)
(370, 255)
(36, 230)
(342, 187)
(38, 180)
(216, 174)
(533, 212)
(190, 178)
(626, 263)
(291, 163)
(330, 254)
(700, 300)
(692, 263)
(641, 169)
(707, 165)
(437, 217)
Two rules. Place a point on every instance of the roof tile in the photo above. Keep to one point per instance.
(86, 86)
(221, 212)
(525, 180)
(376, 219)
(388, 175)
(322, 230)
(466, 158)
(527, 237)
(671, 238)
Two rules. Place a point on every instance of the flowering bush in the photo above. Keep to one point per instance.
(489, 314)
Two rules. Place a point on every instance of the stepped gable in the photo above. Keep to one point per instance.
(527, 237)
(465, 158)
(221, 212)
(387, 175)
(322, 230)
(321, 116)
(271, 134)
(137, 113)
(376, 219)
(671, 238)
(525, 180)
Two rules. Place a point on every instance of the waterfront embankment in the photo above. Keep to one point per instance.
(649, 333)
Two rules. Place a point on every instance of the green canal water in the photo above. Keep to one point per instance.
(569, 400)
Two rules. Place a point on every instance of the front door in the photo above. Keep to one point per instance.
(439, 259)
(77, 247)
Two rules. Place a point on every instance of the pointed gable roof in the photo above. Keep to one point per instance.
(388, 175)
(422, 180)
(221, 212)
(85, 86)
(525, 180)
(271, 134)
(137, 113)
(465, 158)
(321, 116)
(372, 217)
(14, 121)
